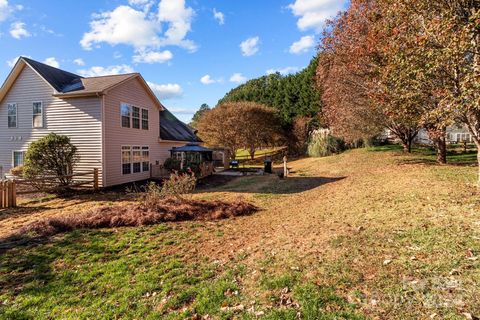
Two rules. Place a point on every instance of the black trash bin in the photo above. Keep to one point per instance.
(267, 165)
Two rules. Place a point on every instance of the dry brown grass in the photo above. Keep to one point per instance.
(133, 215)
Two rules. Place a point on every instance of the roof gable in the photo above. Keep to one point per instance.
(60, 80)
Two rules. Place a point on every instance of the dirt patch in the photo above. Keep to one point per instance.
(139, 215)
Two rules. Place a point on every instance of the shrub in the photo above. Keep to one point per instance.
(172, 164)
(17, 171)
(323, 144)
(177, 186)
(52, 155)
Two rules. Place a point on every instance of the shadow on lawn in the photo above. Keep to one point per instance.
(31, 269)
(269, 184)
(467, 159)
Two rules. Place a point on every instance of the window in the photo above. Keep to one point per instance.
(18, 158)
(126, 113)
(145, 119)
(37, 121)
(145, 159)
(126, 160)
(12, 115)
(135, 117)
(137, 159)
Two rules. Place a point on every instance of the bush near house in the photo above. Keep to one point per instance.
(52, 155)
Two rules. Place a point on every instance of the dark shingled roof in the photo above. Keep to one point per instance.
(173, 129)
(62, 81)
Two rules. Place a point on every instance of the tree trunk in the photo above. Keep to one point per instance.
(251, 151)
(441, 150)
(477, 143)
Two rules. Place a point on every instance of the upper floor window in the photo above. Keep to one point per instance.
(145, 119)
(135, 117)
(12, 115)
(37, 120)
(126, 112)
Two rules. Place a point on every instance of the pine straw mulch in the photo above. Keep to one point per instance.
(136, 214)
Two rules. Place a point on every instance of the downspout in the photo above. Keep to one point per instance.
(103, 138)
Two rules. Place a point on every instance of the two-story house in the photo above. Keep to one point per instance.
(117, 123)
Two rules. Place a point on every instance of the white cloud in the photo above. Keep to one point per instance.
(219, 16)
(104, 71)
(152, 56)
(144, 4)
(52, 62)
(303, 45)
(206, 79)
(179, 19)
(238, 78)
(79, 62)
(313, 13)
(166, 91)
(283, 71)
(140, 26)
(18, 30)
(124, 25)
(12, 62)
(5, 10)
(250, 46)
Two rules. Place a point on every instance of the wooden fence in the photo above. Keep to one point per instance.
(8, 195)
(10, 189)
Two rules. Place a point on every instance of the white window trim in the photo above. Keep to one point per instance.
(131, 158)
(130, 116)
(42, 115)
(121, 159)
(140, 116)
(16, 115)
(141, 119)
(13, 157)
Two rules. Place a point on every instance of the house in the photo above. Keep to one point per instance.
(117, 123)
(457, 133)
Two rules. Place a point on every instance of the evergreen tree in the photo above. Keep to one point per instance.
(292, 96)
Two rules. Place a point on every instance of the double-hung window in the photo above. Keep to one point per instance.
(135, 117)
(137, 159)
(126, 160)
(126, 112)
(18, 157)
(12, 115)
(37, 121)
(145, 159)
(145, 119)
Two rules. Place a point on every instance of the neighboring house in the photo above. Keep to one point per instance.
(117, 123)
(455, 134)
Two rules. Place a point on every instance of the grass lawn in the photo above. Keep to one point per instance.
(364, 234)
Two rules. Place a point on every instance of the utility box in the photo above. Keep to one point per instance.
(267, 165)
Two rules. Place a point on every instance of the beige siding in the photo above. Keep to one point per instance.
(79, 118)
(131, 92)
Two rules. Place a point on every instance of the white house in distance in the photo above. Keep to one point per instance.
(117, 123)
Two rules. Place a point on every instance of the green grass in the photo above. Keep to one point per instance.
(315, 250)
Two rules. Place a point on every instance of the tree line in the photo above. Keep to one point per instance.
(402, 65)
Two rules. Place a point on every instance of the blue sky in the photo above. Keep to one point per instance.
(191, 52)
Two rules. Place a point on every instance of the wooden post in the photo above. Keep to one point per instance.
(1, 194)
(95, 179)
(14, 193)
(285, 169)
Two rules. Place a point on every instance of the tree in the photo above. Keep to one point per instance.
(238, 125)
(52, 155)
(200, 112)
(294, 95)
